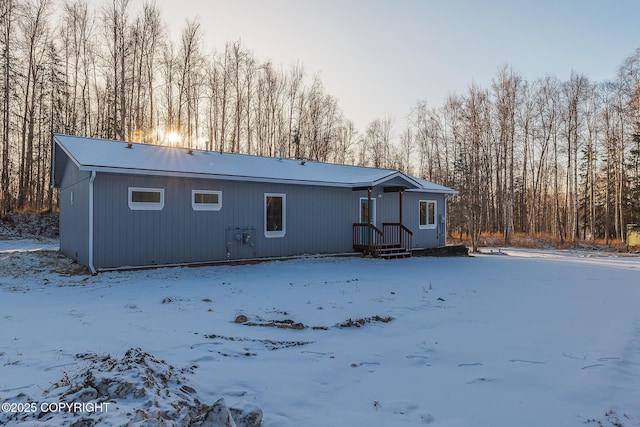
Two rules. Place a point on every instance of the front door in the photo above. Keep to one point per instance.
(364, 218)
(364, 211)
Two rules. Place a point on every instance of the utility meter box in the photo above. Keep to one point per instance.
(633, 236)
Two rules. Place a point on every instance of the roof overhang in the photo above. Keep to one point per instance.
(363, 179)
(224, 177)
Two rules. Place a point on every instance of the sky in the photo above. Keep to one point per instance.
(380, 57)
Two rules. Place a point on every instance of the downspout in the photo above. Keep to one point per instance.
(444, 224)
(91, 266)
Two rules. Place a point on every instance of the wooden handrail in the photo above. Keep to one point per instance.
(370, 239)
(367, 237)
(402, 226)
(396, 233)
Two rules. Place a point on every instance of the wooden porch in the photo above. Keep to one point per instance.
(393, 241)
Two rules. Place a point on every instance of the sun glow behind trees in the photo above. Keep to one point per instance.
(171, 138)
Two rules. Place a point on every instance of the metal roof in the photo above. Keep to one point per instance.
(91, 154)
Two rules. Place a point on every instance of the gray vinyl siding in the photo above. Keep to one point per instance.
(388, 210)
(318, 220)
(74, 218)
(424, 238)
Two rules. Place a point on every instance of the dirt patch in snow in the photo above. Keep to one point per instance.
(269, 344)
(38, 264)
(350, 323)
(611, 418)
(291, 324)
(282, 324)
(29, 225)
(137, 389)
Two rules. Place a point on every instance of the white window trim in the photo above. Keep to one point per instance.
(279, 233)
(435, 215)
(146, 206)
(206, 206)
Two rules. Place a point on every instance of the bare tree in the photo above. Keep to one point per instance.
(345, 141)
(147, 36)
(189, 82)
(235, 64)
(474, 162)
(35, 32)
(506, 89)
(405, 151)
(428, 129)
(7, 16)
(115, 17)
(629, 81)
(249, 77)
(574, 94)
(589, 164)
(168, 74)
(296, 75)
(378, 134)
(545, 111)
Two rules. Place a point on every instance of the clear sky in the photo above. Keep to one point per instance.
(380, 57)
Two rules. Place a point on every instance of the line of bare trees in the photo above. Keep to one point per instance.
(547, 156)
(111, 71)
(542, 156)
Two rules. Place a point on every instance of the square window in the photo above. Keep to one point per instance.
(150, 199)
(427, 214)
(206, 200)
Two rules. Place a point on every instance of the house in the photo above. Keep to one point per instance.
(138, 205)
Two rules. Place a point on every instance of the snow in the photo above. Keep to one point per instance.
(530, 338)
(24, 245)
(113, 156)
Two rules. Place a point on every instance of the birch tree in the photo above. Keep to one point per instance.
(7, 17)
(35, 31)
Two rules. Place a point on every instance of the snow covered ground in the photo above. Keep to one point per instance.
(528, 338)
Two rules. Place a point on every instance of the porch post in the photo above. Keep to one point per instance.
(400, 193)
(369, 219)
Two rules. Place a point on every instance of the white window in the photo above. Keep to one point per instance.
(146, 199)
(275, 215)
(427, 214)
(205, 200)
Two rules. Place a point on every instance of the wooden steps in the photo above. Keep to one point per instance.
(389, 251)
(393, 241)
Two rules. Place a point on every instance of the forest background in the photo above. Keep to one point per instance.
(538, 157)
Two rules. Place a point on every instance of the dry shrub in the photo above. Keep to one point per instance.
(538, 241)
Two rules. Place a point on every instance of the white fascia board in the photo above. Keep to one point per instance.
(53, 160)
(410, 179)
(391, 176)
(52, 178)
(69, 155)
(434, 191)
(216, 176)
(394, 175)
